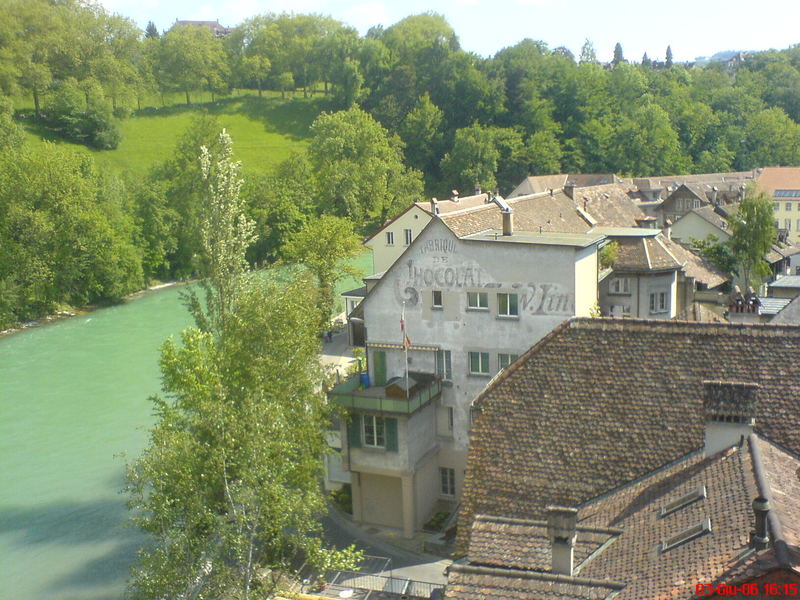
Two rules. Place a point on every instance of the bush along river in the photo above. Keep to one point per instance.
(73, 410)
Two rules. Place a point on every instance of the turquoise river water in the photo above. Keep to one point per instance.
(73, 400)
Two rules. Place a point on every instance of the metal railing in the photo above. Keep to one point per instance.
(343, 395)
(383, 583)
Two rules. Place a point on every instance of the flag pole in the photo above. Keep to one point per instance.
(405, 345)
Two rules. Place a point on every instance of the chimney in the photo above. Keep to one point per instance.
(561, 529)
(667, 231)
(714, 192)
(434, 206)
(551, 190)
(477, 189)
(730, 411)
(454, 195)
(508, 221)
(759, 538)
(569, 188)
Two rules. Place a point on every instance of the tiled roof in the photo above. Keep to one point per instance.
(779, 178)
(790, 314)
(609, 205)
(695, 265)
(543, 212)
(539, 184)
(716, 214)
(633, 555)
(522, 543)
(599, 402)
(643, 254)
(467, 582)
(787, 281)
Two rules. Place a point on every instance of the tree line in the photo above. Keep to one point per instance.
(462, 119)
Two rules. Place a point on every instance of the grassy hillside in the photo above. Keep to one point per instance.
(264, 130)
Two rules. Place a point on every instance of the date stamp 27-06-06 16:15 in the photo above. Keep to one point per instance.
(777, 590)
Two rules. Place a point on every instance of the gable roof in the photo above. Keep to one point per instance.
(620, 534)
(411, 206)
(609, 205)
(534, 213)
(599, 402)
(779, 178)
(789, 314)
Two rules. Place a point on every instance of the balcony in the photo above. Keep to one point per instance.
(389, 398)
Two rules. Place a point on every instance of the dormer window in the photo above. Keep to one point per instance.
(684, 501)
(687, 535)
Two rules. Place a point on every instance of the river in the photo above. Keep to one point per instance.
(73, 398)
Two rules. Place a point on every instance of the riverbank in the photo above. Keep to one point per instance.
(68, 312)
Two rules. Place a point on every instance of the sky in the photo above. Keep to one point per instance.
(693, 28)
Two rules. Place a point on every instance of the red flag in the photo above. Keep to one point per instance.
(406, 340)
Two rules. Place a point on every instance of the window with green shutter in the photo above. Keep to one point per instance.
(354, 431)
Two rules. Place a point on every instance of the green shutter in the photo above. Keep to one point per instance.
(391, 435)
(379, 367)
(354, 431)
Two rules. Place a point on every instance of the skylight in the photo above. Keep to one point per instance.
(687, 535)
(786, 194)
(685, 500)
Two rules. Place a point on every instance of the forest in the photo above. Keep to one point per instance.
(402, 111)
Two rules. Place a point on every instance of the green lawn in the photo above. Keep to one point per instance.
(264, 130)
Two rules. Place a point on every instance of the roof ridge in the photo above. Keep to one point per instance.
(678, 326)
(536, 575)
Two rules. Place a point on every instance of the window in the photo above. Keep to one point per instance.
(788, 224)
(408, 237)
(620, 285)
(390, 238)
(503, 360)
(477, 300)
(507, 305)
(798, 225)
(444, 366)
(374, 431)
(450, 418)
(658, 302)
(448, 477)
(437, 298)
(788, 206)
(776, 205)
(479, 363)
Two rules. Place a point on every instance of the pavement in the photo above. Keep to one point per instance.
(337, 353)
(406, 556)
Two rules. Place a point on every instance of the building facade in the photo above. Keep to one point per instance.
(470, 305)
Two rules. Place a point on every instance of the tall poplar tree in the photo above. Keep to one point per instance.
(228, 487)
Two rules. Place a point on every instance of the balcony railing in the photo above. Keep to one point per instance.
(350, 394)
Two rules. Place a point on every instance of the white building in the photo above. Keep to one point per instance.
(473, 302)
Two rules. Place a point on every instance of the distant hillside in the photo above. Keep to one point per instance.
(265, 131)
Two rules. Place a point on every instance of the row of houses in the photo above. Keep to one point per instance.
(468, 301)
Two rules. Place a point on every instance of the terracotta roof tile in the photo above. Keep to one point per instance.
(531, 213)
(600, 402)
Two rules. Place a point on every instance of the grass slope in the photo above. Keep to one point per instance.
(264, 130)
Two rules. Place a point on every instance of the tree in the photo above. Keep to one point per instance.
(324, 245)
(752, 235)
(588, 54)
(190, 58)
(618, 58)
(228, 486)
(151, 31)
(359, 168)
(421, 131)
(669, 57)
(473, 160)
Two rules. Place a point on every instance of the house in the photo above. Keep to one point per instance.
(472, 290)
(705, 525)
(391, 240)
(214, 27)
(782, 184)
(599, 403)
